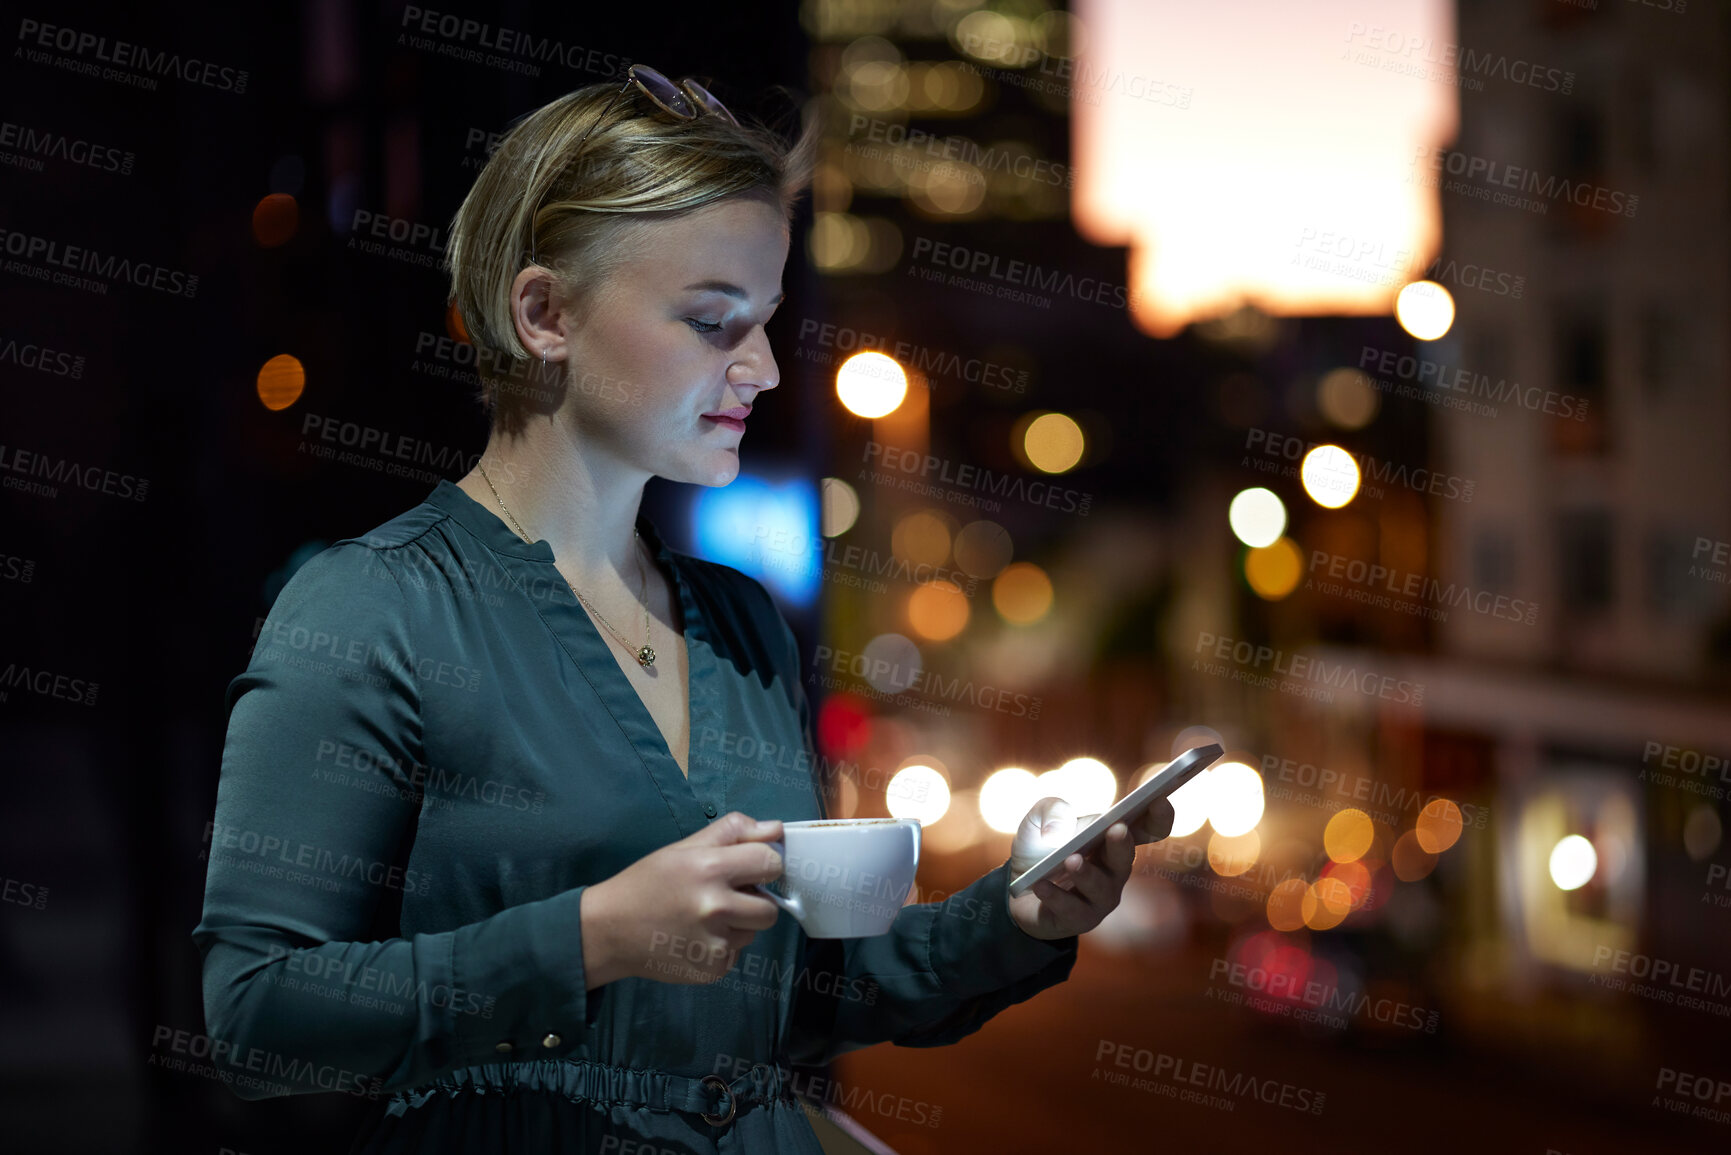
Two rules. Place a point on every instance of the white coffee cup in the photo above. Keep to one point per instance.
(846, 877)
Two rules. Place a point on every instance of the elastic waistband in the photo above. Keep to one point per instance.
(715, 1098)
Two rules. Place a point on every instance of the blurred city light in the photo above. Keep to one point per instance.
(837, 241)
(1326, 902)
(1088, 784)
(730, 523)
(1573, 862)
(839, 504)
(983, 549)
(1235, 801)
(1053, 443)
(1190, 802)
(1348, 835)
(1303, 223)
(1330, 476)
(937, 610)
(280, 381)
(1425, 309)
(1346, 398)
(1257, 517)
(918, 791)
(921, 538)
(274, 220)
(1354, 877)
(958, 828)
(1022, 593)
(1439, 826)
(1702, 832)
(1273, 571)
(1193, 736)
(1006, 797)
(890, 663)
(1286, 904)
(871, 384)
(1231, 856)
(1411, 861)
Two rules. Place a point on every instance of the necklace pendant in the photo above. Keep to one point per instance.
(646, 656)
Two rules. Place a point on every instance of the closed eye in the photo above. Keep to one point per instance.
(703, 326)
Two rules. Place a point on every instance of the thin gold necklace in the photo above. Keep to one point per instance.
(645, 654)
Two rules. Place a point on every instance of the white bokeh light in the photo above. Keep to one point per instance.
(1006, 798)
(1235, 803)
(871, 384)
(1257, 517)
(1087, 784)
(1573, 862)
(918, 791)
(1330, 476)
(1425, 309)
(1190, 801)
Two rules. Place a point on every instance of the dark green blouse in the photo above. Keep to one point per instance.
(430, 755)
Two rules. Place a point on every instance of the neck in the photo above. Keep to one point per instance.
(583, 504)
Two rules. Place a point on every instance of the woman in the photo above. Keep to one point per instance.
(463, 861)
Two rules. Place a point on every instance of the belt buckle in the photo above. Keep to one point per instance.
(720, 1084)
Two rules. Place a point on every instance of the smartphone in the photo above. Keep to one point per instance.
(1177, 772)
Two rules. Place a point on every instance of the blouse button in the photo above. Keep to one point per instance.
(503, 1048)
(551, 1040)
(709, 809)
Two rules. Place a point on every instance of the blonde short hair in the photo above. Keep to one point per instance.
(639, 160)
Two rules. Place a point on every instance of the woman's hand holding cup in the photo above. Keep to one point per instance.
(679, 915)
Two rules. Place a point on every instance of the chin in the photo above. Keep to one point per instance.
(715, 469)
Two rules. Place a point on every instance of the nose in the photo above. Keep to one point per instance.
(754, 365)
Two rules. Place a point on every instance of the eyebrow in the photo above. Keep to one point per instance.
(730, 289)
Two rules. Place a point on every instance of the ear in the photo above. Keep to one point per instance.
(541, 312)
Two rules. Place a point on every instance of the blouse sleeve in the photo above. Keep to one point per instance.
(299, 996)
(935, 977)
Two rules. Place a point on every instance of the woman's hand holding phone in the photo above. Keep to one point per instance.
(1088, 888)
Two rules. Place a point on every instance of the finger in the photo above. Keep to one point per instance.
(1046, 823)
(1118, 855)
(735, 827)
(1065, 906)
(1043, 829)
(1156, 822)
(746, 863)
(749, 913)
(737, 940)
(1095, 885)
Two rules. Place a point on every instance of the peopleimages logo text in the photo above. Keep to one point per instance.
(932, 470)
(1450, 378)
(1550, 187)
(977, 262)
(122, 54)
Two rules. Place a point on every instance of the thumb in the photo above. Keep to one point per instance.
(1045, 827)
(735, 826)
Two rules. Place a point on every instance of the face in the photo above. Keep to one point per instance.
(666, 357)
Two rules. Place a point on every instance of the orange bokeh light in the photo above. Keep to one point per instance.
(275, 219)
(1326, 902)
(938, 610)
(1439, 825)
(280, 381)
(1286, 904)
(1411, 861)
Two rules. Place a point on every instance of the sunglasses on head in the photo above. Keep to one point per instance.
(686, 100)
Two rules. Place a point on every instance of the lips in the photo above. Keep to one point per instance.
(730, 418)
